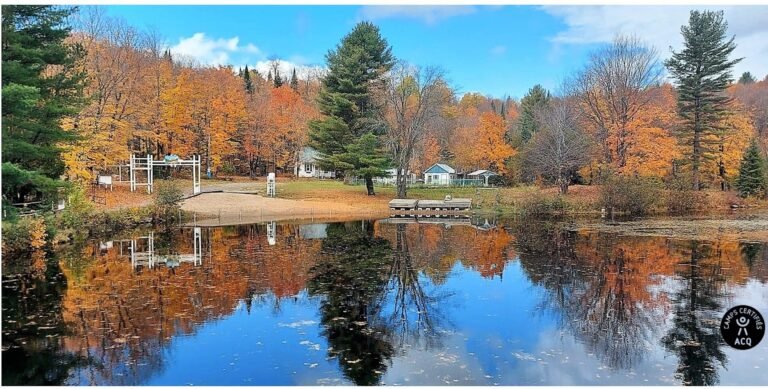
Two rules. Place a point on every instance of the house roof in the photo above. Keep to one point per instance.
(308, 154)
(482, 172)
(441, 166)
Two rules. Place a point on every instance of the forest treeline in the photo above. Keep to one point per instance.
(89, 90)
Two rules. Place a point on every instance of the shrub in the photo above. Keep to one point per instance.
(499, 181)
(681, 199)
(107, 222)
(22, 238)
(78, 211)
(542, 205)
(168, 198)
(631, 195)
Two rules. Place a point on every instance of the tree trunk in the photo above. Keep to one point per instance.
(369, 185)
(402, 184)
(696, 146)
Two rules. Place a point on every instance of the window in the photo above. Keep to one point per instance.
(308, 168)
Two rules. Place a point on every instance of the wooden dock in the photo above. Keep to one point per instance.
(431, 205)
(402, 204)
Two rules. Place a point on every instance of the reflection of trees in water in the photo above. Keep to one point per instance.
(375, 302)
(755, 256)
(32, 312)
(405, 296)
(351, 275)
(594, 292)
(694, 336)
(376, 297)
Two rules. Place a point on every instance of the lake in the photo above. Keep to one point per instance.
(440, 302)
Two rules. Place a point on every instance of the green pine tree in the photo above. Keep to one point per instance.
(346, 102)
(752, 173)
(278, 81)
(294, 80)
(247, 80)
(747, 78)
(536, 98)
(34, 104)
(703, 71)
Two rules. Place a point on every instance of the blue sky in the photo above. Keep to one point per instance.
(495, 50)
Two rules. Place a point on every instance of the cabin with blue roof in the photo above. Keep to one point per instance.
(439, 174)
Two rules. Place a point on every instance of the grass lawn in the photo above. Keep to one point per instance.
(581, 198)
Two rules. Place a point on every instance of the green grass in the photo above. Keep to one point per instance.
(296, 189)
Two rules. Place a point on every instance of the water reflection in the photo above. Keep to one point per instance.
(351, 275)
(695, 334)
(427, 301)
(143, 254)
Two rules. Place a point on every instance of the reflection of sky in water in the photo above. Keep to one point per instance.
(494, 333)
(539, 321)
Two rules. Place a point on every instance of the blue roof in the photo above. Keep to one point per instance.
(440, 168)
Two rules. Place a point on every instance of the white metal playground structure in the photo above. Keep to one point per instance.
(138, 164)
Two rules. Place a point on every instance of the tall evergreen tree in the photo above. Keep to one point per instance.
(747, 78)
(703, 71)
(752, 173)
(345, 100)
(35, 99)
(536, 98)
(278, 81)
(294, 80)
(247, 80)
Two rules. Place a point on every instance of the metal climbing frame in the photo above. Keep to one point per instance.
(138, 164)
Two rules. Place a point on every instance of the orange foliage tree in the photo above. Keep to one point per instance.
(483, 145)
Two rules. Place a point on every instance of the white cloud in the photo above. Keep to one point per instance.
(286, 68)
(660, 27)
(427, 14)
(207, 51)
(213, 52)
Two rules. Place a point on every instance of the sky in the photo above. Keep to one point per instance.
(494, 50)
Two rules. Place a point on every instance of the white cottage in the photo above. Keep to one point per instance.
(391, 178)
(308, 167)
(439, 174)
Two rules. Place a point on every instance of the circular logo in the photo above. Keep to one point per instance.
(742, 327)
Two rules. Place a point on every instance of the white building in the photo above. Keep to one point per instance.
(308, 167)
(391, 178)
(439, 174)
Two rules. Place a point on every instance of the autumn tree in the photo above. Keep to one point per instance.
(613, 91)
(652, 147)
(754, 97)
(346, 101)
(412, 97)
(721, 165)
(560, 147)
(286, 128)
(482, 145)
(126, 80)
(703, 71)
(41, 84)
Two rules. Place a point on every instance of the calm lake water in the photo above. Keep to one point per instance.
(472, 302)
